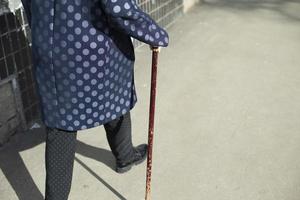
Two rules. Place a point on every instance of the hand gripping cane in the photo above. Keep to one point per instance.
(155, 51)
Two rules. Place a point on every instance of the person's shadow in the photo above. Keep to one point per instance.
(17, 174)
(98, 154)
(14, 168)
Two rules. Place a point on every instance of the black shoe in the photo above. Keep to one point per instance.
(139, 156)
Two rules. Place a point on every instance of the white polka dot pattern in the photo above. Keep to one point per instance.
(125, 15)
(83, 58)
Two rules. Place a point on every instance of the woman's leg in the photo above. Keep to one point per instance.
(119, 137)
(60, 153)
(118, 133)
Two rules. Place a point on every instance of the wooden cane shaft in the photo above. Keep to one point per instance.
(151, 122)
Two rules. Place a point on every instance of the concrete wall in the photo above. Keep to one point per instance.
(3, 6)
(188, 4)
(9, 117)
(13, 4)
(6, 5)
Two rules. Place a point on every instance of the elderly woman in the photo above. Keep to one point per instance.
(83, 61)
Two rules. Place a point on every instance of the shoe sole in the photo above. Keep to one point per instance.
(126, 169)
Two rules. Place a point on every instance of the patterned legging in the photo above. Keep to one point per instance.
(60, 153)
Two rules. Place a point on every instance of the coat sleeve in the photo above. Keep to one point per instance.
(128, 18)
(27, 8)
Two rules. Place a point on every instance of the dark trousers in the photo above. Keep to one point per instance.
(60, 153)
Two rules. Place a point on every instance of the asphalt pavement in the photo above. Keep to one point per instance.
(227, 115)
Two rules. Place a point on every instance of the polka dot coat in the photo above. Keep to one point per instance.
(83, 58)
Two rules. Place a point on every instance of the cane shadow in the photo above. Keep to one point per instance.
(14, 168)
(120, 196)
(101, 155)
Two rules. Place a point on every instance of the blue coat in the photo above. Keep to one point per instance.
(83, 58)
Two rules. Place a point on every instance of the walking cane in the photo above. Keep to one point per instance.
(155, 51)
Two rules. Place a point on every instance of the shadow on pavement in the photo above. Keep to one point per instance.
(20, 179)
(100, 179)
(14, 168)
(102, 155)
(287, 8)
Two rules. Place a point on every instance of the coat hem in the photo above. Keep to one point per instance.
(91, 125)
